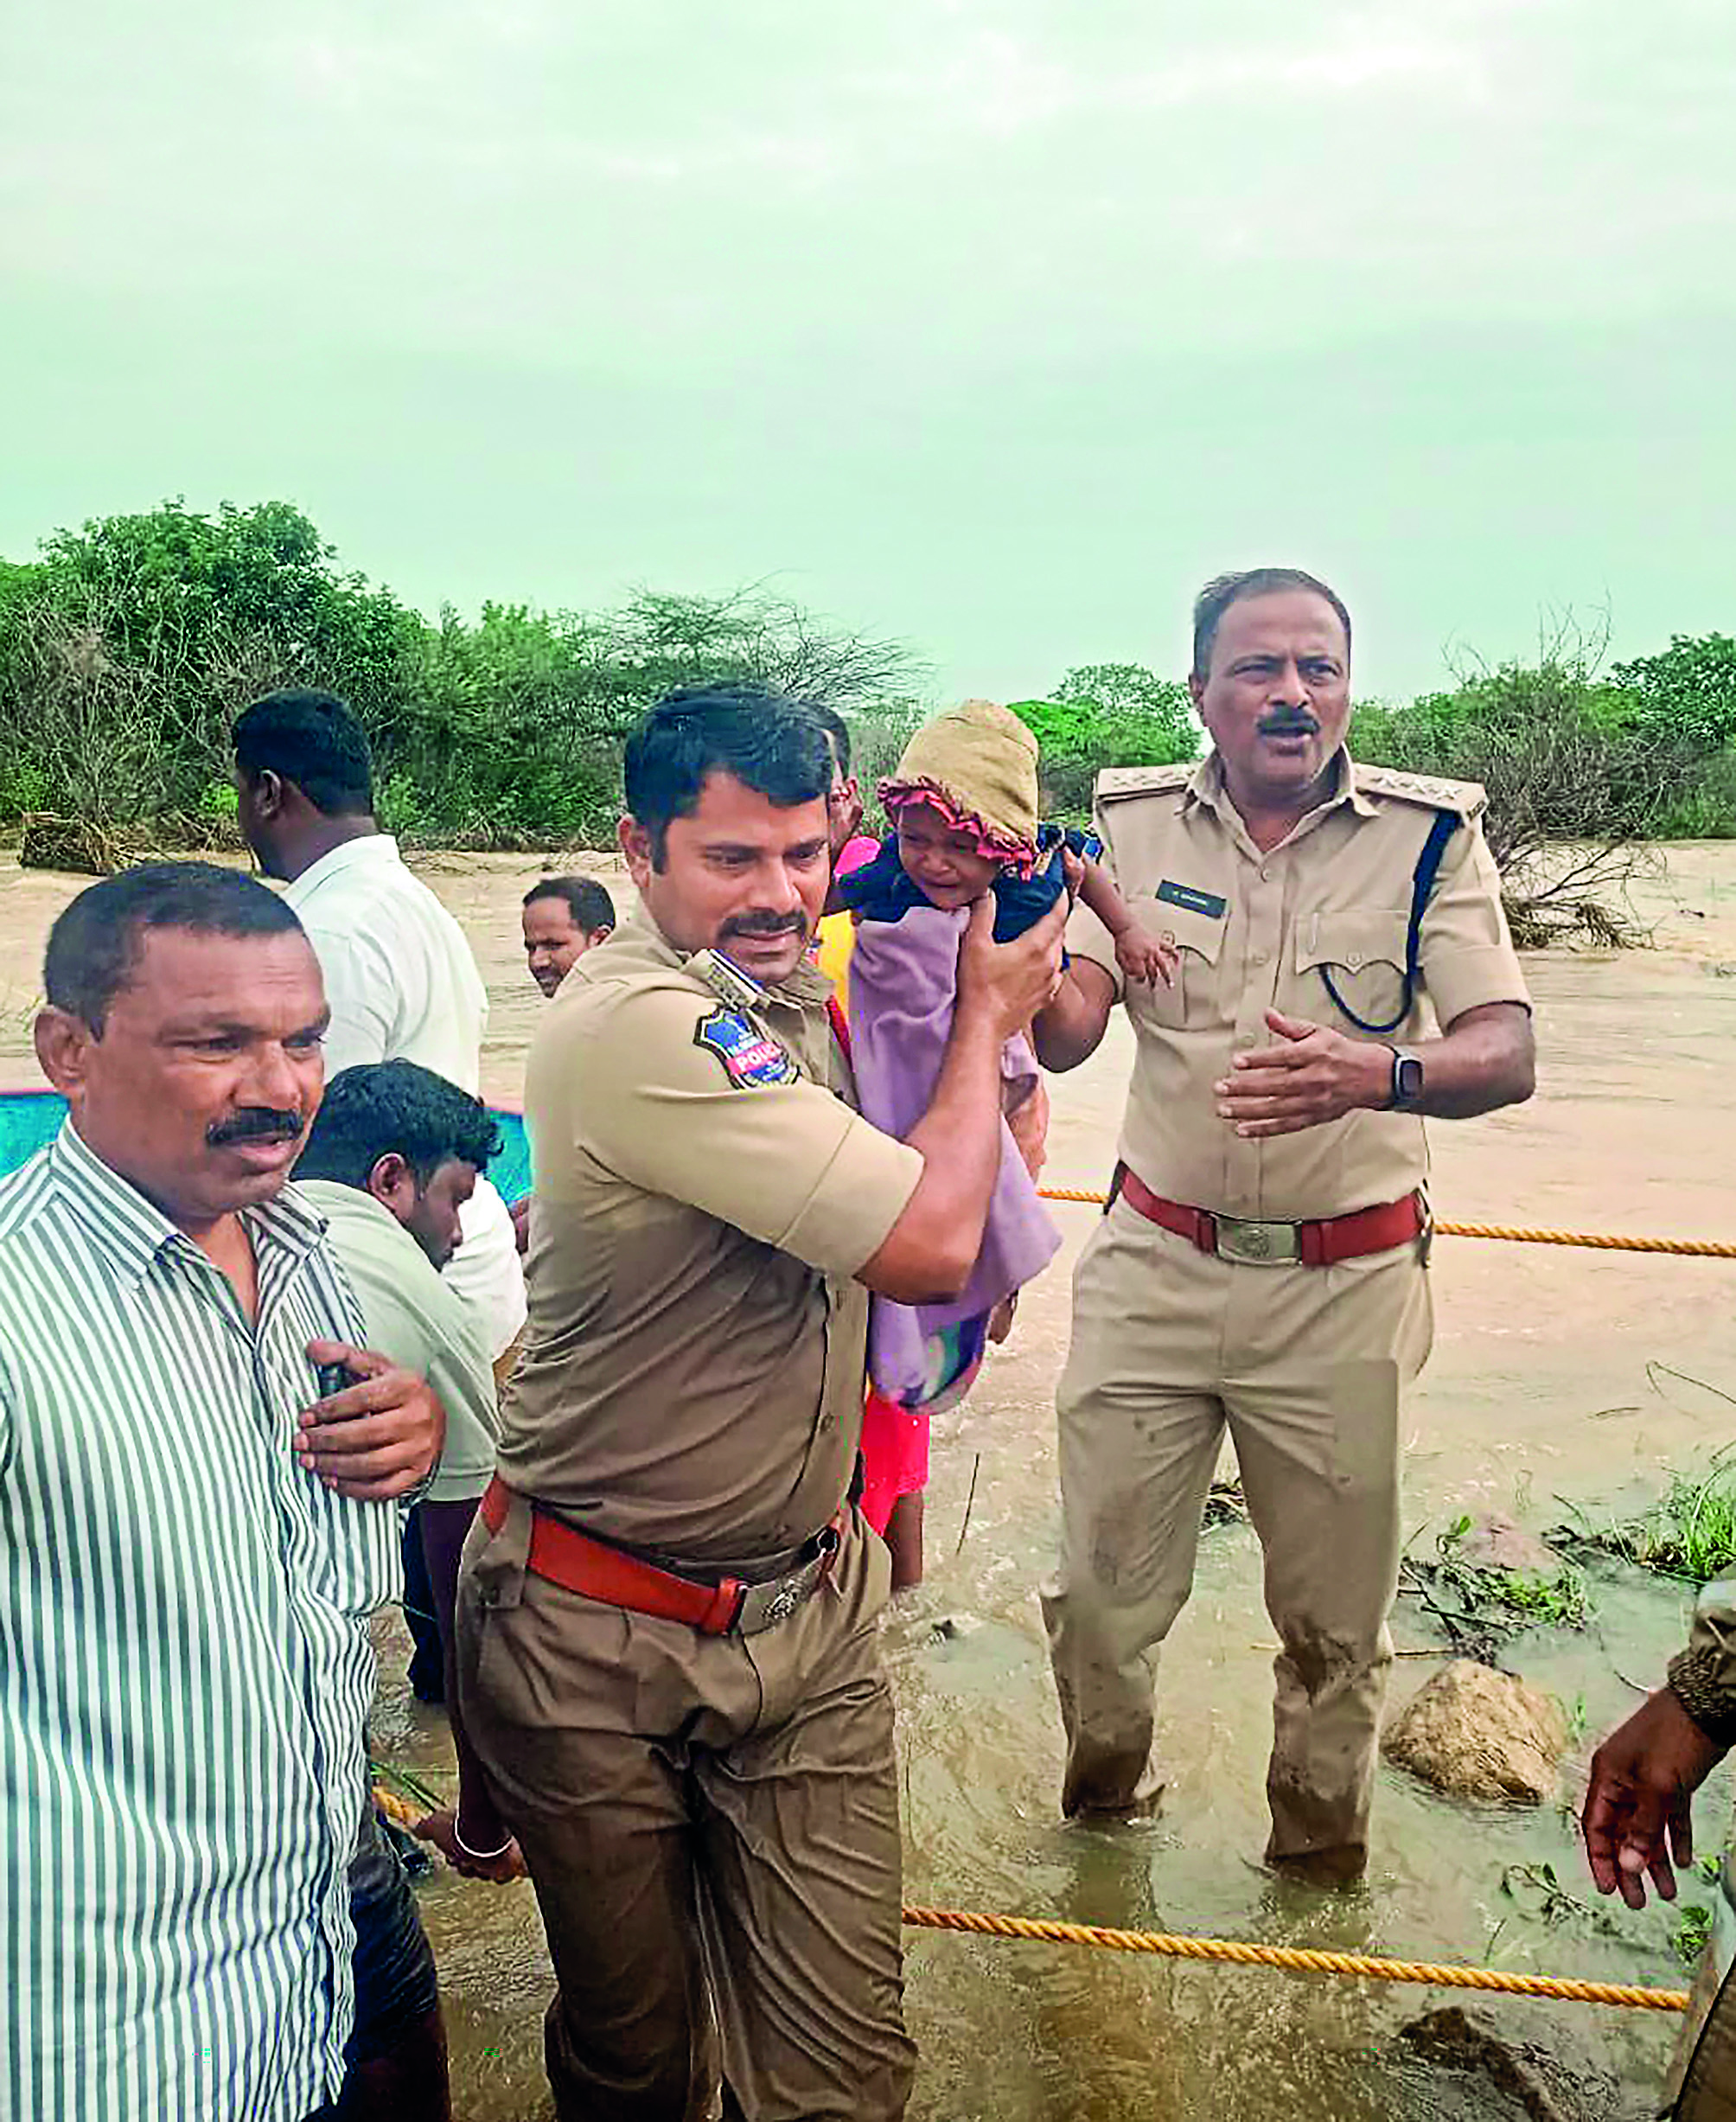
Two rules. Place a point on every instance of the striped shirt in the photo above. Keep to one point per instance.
(185, 1667)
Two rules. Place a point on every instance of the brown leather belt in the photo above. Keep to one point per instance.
(594, 1571)
(1320, 1244)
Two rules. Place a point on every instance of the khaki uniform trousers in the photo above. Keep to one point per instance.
(712, 1826)
(1306, 1367)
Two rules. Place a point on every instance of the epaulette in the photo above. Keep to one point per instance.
(726, 978)
(1468, 799)
(1115, 781)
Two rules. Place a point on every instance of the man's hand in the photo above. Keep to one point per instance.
(1313, 1075)
(521, 1214)
(377, 1438)
(1637, 1801)
(441, 1829)
(1009, 982)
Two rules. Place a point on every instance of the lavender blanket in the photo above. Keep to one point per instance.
(903, 976)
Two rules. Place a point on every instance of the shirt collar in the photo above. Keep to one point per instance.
(134, 1232)
(1205, 787)
(368, 851)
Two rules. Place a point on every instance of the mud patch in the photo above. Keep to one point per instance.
(1453, 2064)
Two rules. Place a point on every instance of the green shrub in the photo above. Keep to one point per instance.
(1104, 714)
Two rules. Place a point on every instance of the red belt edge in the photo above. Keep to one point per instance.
(1321, 1243)
(593, 1570)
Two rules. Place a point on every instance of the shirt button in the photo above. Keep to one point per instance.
(1260, 957)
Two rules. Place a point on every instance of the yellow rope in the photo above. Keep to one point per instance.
(1297, 1959)
(396, 1809)
(1599, 1241)
(1307, 1962)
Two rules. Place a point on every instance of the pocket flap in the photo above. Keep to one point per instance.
(1351, 937)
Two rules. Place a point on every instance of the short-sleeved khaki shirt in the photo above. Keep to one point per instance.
(692, 1376)
(1259, 931)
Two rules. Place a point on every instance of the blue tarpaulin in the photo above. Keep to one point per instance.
(30, 1118)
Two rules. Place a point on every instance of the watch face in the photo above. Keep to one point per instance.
(1410, 1073)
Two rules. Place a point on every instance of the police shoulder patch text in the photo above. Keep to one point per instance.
(751, 1058)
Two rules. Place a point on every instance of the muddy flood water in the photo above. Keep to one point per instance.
(1545, 1390)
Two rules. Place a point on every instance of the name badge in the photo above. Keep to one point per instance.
(1196, 901)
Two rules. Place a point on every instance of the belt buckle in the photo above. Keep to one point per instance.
(1252, 1244)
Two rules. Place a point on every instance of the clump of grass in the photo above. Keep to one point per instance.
(1689, 1533)
(1480, 1608)
(1693, 1929)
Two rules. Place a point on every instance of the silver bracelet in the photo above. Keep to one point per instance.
(478, 1857)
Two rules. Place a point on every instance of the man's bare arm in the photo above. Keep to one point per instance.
(1070, 1029)
(1486, 1059)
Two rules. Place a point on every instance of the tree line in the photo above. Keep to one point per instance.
(128, 646)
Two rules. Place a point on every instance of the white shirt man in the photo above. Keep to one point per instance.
(402, 985)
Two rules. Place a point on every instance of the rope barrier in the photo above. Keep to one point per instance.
(1598, 1241)
(1298, 1959)
(398, 1810)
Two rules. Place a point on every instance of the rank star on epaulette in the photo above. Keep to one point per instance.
(751, 1058)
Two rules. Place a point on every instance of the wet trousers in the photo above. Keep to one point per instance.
(1306, 1367)
(712, 1826)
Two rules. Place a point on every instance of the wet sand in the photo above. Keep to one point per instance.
(1544, 1386)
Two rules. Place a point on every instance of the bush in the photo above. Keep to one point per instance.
(1104, 714)
(126, 652)
(1579, 771)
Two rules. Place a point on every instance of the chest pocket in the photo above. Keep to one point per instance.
(1353, 959)
(1198, 939)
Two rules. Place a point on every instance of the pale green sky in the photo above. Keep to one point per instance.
(998, 327)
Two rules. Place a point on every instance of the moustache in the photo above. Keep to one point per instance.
(254, 1124)
(767, 924)
(1289, 726)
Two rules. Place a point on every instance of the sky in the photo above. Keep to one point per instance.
(995, 327)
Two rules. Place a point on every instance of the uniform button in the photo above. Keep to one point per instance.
(1261, 956)
(1354, 960)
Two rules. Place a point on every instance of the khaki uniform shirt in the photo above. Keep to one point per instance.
(693, 1377)
(1254, 932)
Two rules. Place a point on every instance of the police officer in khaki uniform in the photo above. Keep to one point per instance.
(668, 1658)
(1261, 1267)
(1638, 1816)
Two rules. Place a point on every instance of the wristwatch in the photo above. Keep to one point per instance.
(1407, 1091)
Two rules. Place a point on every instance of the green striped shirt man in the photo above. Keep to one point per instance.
(185, 1667)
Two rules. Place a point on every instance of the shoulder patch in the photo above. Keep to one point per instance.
(751, 1058)
(1115, 782)
(1468, 798)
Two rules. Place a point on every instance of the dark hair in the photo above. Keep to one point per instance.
(773, 745)
(591, 906)
(838, 729)
(395, 1108)
(1223, 590)
(94, 948)
(313, 740)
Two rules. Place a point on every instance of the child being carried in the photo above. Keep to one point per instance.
(963, 804)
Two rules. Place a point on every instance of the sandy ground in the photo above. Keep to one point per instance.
(1557, 1374)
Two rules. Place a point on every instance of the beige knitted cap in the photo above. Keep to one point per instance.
(981, 760)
